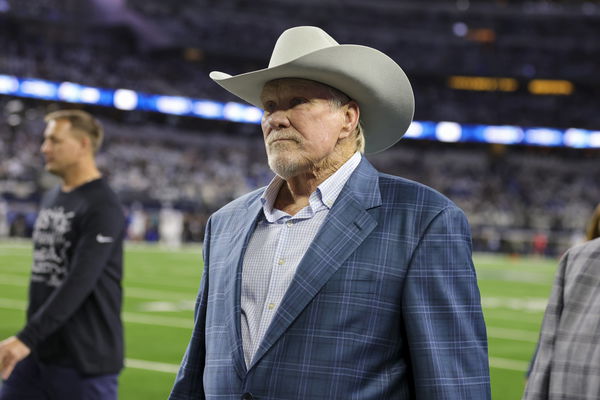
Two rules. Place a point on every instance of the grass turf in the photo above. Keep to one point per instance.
(160, 287)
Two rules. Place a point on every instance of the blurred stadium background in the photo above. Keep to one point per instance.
(507, 125)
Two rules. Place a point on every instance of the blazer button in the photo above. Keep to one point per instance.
(247, 396)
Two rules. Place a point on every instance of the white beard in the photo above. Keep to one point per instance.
(286, 167)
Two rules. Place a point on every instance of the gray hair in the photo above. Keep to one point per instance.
(340, 98)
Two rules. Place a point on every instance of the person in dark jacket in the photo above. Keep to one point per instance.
(72, 344)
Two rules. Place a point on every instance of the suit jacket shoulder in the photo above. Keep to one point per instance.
(580, 270)
(418, 206)
(414, 193)
(585, 250)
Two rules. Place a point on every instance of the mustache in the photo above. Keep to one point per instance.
(274, 136)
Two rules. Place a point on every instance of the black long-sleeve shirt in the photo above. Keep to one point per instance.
(75, 294)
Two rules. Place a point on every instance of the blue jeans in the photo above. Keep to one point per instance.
(34, 380)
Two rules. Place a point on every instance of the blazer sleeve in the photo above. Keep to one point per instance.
(538, 383)
(442, 314)
(189, 381)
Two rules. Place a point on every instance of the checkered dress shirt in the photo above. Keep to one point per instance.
(276, 248)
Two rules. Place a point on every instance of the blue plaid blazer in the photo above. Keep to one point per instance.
(384, 305)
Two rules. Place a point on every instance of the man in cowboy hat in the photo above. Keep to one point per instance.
(335, 281)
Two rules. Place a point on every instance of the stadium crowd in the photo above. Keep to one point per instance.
(509, 194)
(169, 48)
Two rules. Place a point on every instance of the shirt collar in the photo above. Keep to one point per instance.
(330, 188)
(326, 194)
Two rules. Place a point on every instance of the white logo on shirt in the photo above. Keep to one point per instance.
(50, 260)
(103, 239)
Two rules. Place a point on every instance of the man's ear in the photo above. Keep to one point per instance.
(86, 143)
(351, 118)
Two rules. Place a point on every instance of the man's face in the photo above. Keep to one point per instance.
(62, 148)
(300, 125)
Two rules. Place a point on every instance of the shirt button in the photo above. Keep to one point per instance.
(247, 396)
(281, 261)
(289, 223)
(271, 306)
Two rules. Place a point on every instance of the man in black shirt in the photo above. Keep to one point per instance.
(72, 344)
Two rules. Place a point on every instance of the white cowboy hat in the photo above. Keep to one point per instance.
(366, 75)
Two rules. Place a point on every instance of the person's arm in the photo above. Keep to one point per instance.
(101, 229)
(539, 377)
(442, 314)
(189, 384)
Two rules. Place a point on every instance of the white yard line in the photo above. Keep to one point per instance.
(151, 366)
(529, 304)
(11, 304)
(495, 362)
(153, 294)
(505, 363)
(172, 322)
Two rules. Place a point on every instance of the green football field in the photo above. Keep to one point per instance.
(160, 288)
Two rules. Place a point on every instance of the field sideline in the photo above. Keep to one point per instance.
(161, 285)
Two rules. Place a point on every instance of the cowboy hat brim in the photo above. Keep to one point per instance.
(366, 75)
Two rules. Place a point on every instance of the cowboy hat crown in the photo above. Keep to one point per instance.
(366, 75)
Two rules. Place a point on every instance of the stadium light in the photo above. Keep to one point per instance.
(482, 83)
(125, 99)
(448, 131)
(502, 134)
(445, 131)
(8, 84)
(550, 87)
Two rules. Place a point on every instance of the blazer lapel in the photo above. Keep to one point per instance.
(244, 227)
(344, 229)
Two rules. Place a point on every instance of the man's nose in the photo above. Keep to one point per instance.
(278, 119)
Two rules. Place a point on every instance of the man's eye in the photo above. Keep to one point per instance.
(297, 100)
(269, 106)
